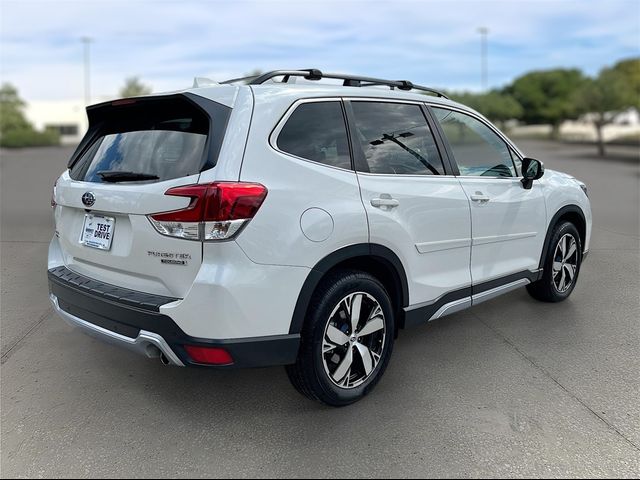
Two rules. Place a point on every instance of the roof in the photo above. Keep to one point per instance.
(296, 91)
(227, 94)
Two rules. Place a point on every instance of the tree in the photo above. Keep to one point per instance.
(133, 87)
(11, 110)
(500, 107)
(15, 130)
(630, 71)
(614, 90)
(548, 96)
(497, 106)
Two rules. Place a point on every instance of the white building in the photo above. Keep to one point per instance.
(69, 117)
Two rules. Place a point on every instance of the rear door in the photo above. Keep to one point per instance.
(134, 152)
(413, 204)
(508, 222)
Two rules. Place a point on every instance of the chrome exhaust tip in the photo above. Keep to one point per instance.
(164, 360)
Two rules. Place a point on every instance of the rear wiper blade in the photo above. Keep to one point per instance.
(120, 176)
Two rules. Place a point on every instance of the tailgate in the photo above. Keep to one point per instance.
(138, 257)
(135, 150)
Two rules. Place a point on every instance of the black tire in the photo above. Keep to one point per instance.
(310, 375)
(547, 289)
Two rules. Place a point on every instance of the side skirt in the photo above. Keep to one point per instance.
(466, 297)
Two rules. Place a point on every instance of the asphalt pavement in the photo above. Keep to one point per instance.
(510, 388)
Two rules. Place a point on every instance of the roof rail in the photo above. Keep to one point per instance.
(347, 80)
(239, 79)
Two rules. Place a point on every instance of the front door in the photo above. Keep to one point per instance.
(508, 222)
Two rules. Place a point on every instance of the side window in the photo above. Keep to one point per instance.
(477, 149)
(316, 131)
(396, 139)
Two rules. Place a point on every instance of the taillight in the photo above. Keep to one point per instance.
(217, 210)
(209, 355)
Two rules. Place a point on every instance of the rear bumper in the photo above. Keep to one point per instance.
(146, 343)
(133, 320)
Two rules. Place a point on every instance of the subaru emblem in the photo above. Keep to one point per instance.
(88, 199)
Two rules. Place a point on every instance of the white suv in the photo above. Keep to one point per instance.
(283, 220)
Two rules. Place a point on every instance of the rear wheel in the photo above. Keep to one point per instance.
(347, 339)
(561, 267)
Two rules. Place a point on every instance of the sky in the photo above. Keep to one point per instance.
(435, 43)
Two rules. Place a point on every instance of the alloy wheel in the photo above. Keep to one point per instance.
(565, 263)
(354, 340)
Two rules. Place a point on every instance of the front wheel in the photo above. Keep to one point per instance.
(561, 266)
(347, 339)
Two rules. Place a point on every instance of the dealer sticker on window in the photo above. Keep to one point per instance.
(97, 231)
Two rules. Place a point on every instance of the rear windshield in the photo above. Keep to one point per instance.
(166, 142)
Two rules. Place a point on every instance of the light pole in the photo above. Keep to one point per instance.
(86, 41)
(484, 32)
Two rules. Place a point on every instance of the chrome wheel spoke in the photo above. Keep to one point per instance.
(356, 305)
(369, 359)
(347, 378)
(571, 271)
(571, 250)
(344, 367)
(557, 266)
(374, 325)
(563, 247)
(562, 280)
(336, 336)
(328, 347)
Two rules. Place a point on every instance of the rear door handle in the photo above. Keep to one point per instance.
(385, 200)
(479, 197)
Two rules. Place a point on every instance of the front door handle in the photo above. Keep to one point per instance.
(385, 200)
(480, 197)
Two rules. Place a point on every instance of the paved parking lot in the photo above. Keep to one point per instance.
(512, 387)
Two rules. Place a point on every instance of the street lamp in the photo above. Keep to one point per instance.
(86, 41)
(484, 32)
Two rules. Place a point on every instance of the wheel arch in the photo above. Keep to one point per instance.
(571, 213)
(375, 259)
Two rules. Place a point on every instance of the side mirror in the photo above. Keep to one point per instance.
(532, 169)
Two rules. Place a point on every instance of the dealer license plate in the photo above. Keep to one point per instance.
(97, 231)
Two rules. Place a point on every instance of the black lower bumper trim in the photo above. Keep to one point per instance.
(128, 319)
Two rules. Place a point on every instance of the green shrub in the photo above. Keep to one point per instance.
(15, 130)
(27, 137)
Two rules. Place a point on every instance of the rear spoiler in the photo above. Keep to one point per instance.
(100, 114)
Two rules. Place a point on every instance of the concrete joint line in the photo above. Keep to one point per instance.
(509, 342)
(5, 356)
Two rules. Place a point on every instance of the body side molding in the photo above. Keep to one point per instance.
(437, 246)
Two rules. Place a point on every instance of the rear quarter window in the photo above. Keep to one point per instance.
(316, 131)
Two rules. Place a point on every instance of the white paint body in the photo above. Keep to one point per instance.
(248, 287)
(509, 225)
(429, 230)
